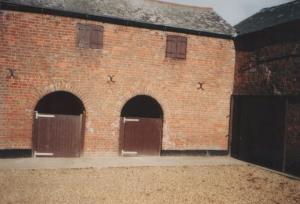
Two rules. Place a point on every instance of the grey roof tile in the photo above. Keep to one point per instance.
(148, 11)
(269, 17)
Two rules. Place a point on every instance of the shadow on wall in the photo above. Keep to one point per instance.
(142, 106)
(60, 102)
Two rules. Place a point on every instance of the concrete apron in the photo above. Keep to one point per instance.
(106, 162)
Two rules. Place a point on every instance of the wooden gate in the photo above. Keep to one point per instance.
(57, 135)
(258, 130)
(142, 135)
(292, 154)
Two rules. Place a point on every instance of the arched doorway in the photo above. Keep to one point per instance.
(141, 126)
(58, 125)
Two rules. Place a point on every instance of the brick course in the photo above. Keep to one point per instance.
(42, 49)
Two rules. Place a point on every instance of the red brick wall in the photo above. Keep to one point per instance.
(267, 62)
(42, 49)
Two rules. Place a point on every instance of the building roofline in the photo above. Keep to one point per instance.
(184, 5)
(266, 29)
(261, 12)
(107, 19)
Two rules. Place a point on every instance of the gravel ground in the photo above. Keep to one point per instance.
(207, 184)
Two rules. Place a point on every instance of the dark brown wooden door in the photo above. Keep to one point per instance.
(142, 135)
(57, 135)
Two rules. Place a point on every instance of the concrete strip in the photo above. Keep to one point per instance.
(105, 162)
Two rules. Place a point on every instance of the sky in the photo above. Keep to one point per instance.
(233, 11)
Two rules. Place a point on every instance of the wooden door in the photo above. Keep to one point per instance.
(57, 135)
(142, 135)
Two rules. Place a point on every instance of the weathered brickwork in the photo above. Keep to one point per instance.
(267, 62)
(42, 50)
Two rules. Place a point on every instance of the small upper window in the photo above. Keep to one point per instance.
(90, 36)
(176, 47)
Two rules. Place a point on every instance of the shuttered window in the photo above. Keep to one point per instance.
(96, 37)
(176, 47)
(171, 46)
(181, 47)
(90, 36)
(83, 37)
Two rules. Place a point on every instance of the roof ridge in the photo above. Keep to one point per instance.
(183, 5)
(276, 6)
(269, 17)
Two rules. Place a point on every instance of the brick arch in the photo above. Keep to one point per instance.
(78, 139)
(60, 102)
(60, 86)
(125, 99)
(147, 107)
(155, 146)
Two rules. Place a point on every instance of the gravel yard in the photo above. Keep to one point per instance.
(206, 184)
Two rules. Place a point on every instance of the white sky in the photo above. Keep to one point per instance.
(233, 11)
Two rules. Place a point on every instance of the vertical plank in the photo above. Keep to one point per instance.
(285, 134)
(96, 37)
(292, 163)
(121, 136)
(83, 36)
(171, 47)
(231, 116)
(181, 49)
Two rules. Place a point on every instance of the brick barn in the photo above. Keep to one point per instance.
(266, 119)
(94, 78)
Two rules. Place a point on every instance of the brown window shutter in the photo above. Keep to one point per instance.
(181, 47)
(96, 37)
(83, 36)
(171, 46)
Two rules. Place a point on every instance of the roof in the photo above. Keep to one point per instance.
(269, 17)
(144, 11)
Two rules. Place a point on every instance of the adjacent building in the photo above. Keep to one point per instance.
(266, 113)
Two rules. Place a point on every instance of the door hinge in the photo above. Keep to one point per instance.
(37, 115)
(43, 154)
(130, 120)
(129, 153)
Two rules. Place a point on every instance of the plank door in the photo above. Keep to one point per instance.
(142, 135)
(57, 135)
